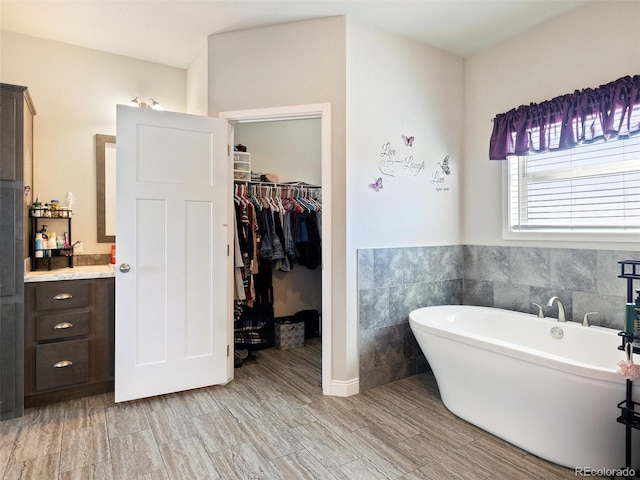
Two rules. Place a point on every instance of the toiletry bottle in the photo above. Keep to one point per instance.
(630, 318)
(53, 206)
(38, 246)
(637, 307)
(45, 239)
(633, 313)
(51, 243)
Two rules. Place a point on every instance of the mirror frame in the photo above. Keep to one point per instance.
(101, 143)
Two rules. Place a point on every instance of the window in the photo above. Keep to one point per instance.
(592, 186)
(573, 162)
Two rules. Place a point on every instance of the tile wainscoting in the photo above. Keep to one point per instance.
(394, 281)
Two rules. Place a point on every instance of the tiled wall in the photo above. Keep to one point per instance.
(515, 277)
(391, 283)
(394, 281)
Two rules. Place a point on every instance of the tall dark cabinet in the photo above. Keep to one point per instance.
(16, 181)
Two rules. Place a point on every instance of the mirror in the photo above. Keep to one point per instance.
(106, 187)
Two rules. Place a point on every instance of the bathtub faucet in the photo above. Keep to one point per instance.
(561, 317)
(540, 310)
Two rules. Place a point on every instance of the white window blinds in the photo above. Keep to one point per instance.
(592, 186)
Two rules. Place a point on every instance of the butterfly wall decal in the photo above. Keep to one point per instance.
(445, 165)
(408, 141)
(377, 185)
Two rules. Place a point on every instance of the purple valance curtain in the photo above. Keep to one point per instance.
(609, 111)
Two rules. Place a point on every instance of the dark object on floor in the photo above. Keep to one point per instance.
(311, 319)
(254, 329)
(239, 357)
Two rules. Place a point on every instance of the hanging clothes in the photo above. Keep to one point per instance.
(286, 229)
(276, 227)
(314, 249)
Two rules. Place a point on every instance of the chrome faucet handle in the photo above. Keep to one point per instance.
(585, 321)
(540, 310)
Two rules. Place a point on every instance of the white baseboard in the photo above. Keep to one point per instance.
(344, 388)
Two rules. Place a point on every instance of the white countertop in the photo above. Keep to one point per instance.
(75, 273)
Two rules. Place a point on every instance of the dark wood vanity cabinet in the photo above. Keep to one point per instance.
(69, 339)
(16, 164)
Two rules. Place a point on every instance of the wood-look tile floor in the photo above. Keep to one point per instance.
(271, 422)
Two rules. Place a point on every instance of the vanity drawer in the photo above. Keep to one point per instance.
(62, 325)
(59, 295)
(62, 364)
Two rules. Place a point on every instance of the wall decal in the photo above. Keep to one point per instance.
(445, 165)
(387, 151)
(377, 185)
(437, 177)
(387, 162)
(414, 167)
(390, 165)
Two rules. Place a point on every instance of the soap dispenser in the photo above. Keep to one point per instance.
(45, 238)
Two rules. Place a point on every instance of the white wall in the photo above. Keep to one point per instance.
(289, 148)
(197, 83)
(296, 64)
(398, 87)
(588, 47)
(75, 91)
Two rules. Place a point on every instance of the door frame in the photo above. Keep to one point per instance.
(300, 112)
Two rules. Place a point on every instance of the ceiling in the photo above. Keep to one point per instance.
(172, 32)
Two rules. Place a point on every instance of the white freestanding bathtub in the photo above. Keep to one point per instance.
(504, 372)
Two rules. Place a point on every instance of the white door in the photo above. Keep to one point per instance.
(171, 275)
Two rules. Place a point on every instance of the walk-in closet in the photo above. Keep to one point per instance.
(277, 197)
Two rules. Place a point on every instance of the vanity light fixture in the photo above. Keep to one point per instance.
(150, 103)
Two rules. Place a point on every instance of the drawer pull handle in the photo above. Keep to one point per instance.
(63, 364)
(63, 326)
(63, 296)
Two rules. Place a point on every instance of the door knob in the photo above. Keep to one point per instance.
(125, 267)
